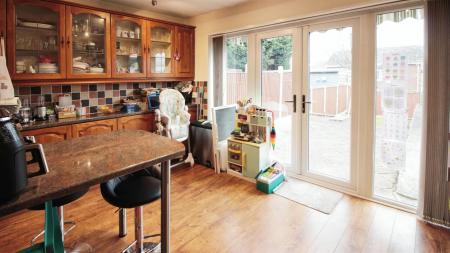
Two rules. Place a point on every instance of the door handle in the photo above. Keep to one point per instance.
(294, 100)
(304, 102)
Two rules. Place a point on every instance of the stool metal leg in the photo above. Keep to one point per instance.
(139, 246)
(122, 222)
(138, 228)
(61, 221)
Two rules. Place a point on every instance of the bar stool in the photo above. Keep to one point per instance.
(133, 191)
(59, 204)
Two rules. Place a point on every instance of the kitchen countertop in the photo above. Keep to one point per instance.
(92, 117)
(83, 162)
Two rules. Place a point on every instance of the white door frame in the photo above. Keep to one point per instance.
(296, 89)
(304, 173)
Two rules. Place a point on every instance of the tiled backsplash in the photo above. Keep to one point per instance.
(200, 96)
(88, 96)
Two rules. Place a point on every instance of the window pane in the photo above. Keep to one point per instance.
(330, 86)
(276, 88)
(236, 69)
(399, 105)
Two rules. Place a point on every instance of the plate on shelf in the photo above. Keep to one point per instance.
(35, 25)
(96, 70)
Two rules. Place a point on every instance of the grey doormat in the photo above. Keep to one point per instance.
(310, 195)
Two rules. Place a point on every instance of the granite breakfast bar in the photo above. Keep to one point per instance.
(83, 162)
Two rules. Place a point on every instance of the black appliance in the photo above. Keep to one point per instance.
(201, 142)
(13, 170)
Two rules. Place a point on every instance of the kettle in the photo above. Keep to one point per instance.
(13, 170)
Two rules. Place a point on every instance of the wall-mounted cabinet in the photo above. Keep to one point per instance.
(129, 46)
(36, 40)
(185, 52)
(88, 43)
(162, 40)
(3, 20)
(61, 42)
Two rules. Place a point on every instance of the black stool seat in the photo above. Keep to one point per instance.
(62, 201)
(132, 190)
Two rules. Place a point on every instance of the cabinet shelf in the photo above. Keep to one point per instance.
(128, 55)
(154, 57)
(88, 52)
(36, 51)
(82, 34)
(128, 39)
(161, 42)
(37, 29)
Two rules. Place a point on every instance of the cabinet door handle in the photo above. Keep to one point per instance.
(177, 55)
(68, 41)
(62, 40)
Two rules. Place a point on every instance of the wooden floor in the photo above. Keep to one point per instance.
(221, 213)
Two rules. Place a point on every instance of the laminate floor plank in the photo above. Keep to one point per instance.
(225, 214)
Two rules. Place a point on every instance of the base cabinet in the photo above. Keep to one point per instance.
(138, 122)
(93, 128)
(52, 134)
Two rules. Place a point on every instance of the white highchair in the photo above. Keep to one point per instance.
(173, 119)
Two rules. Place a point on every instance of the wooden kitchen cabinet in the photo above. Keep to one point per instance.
(129, 46)
(161, 41)
(60, 42)
(185, 52)
(139, 122)
(36, 35)
(94, 128)
(52, 134)
(88, 43)
(3, 21)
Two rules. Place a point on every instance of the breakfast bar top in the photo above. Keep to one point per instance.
(83, 162)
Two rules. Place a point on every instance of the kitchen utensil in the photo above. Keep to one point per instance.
(65, 100)
(41, 113)
(25, 114)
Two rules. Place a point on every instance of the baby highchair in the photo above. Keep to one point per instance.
(173, 119)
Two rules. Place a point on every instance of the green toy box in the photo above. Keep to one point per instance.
(268, 180)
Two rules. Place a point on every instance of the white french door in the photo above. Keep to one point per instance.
(328, 81)
(278, 74)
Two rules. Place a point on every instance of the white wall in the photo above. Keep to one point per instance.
(254, 14)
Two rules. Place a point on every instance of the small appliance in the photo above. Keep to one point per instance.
(13, 172)
(153, 100)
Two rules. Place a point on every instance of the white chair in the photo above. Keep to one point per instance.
(173, 119)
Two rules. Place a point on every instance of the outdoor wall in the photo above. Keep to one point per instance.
(254, 14)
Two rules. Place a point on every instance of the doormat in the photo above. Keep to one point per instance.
(310, 195)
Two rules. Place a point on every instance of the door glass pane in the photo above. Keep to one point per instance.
(161, 50)
(37, 47)
(276, 88)
(329, 114)
(236, 69)
(399, 105)
(88, 36)
(128, 47)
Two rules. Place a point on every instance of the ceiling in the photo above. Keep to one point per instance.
(181, 8)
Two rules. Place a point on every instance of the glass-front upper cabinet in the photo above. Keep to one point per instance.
(36, 40)
(88, 43)
(161, 49)
(129, 46)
